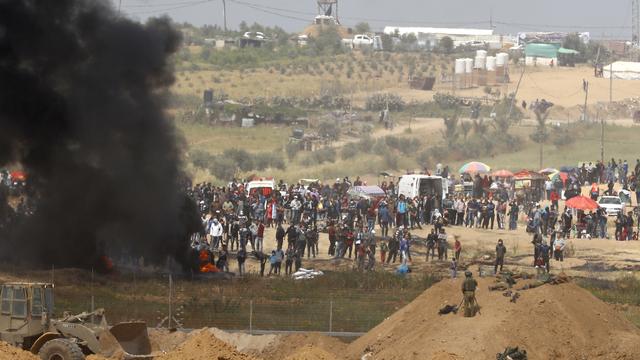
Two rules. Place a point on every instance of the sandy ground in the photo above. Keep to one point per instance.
(562, 86)
(590, 258)
(549, 322)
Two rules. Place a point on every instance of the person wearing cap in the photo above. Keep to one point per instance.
(469, 286)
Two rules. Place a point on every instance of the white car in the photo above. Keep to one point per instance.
(613, 205)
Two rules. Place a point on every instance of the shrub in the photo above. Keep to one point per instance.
(377, 102)
(201, 159)
(349, 151)
(390, 160)
(329, 129)
(292, 150)
(269, 160)
(325, 155)
(240, 157)
(223, 168)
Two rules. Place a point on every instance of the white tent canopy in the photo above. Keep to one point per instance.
(624, 70)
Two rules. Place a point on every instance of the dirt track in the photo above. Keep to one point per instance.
(596, 258)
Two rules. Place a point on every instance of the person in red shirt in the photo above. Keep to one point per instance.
(555, 197)
(457, 248)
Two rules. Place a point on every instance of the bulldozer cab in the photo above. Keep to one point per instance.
(25, 310)
(26, 321)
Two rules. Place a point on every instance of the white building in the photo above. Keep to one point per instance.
(429, 36)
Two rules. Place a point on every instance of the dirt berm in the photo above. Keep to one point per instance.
(550, 322)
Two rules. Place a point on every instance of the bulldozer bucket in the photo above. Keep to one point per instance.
(130, 338)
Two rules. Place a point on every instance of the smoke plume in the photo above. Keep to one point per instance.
(81, 109)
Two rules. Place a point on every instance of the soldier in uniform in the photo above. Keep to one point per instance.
(469, 286)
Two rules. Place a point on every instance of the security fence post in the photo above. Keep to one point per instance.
(250, 316)
(330, 317)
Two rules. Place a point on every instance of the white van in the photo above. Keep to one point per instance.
(419, 185)
(263, 186)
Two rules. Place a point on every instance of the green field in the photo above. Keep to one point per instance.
(585, 146)
(620, 143)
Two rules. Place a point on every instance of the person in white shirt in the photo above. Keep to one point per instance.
(215, 231)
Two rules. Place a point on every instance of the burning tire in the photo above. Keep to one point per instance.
(60, 349)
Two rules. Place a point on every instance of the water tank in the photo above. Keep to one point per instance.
(460, 66)
(481, 53)
(502, 59)
(480, 62)
(491, 63)
(468, 66)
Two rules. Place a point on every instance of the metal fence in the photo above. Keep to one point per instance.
(182, 303)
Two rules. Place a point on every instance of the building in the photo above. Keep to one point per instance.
(548, 55)
(429, 37)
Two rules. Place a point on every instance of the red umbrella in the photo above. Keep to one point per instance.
(582, 203)
(502, 173)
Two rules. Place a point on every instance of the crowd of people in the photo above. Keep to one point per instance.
(235, 219)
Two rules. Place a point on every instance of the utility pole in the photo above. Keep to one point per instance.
(119, 6)
(516, 93)
(602, 140)
(224, 14)
(585, 87)
(635, 22)
(610, 82)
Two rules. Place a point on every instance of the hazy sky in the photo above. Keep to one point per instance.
(604, 19)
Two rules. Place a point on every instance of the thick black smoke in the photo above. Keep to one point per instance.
(81, 109)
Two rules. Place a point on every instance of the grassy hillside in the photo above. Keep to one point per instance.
(620, 142)
(585, 146)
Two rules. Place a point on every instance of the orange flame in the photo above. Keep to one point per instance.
(105, 265)
(208, 268)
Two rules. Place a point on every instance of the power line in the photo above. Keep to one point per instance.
(184, 5)
(165, 4)
(265, 10)
(548, 26)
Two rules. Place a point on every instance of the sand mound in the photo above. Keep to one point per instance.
(291, 345)
(163, 340)
(250, 344)
(203, 345)
(310, 352)
(550, 322)
(8, 352)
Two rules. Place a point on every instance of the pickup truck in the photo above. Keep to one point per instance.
(363, 40)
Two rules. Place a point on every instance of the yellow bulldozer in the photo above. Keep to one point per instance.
(26, 321)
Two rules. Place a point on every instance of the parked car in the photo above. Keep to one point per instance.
(613, 205)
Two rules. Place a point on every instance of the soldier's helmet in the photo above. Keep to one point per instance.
(467, 273)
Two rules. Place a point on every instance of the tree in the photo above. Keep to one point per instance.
(243, 27)
(362, 27)
(465, 127)
(479, 127)
(574, 42)
(446, 45)
(327, 42)
(205, 54)
(450, 132)
(387, 42)
(541, 110)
